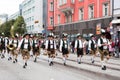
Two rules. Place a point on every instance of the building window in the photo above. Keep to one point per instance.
(91, 12)
(81, 14)
(67, 19)
(32, 27)
(51, 6)
(51, 20)
(58, 19)
(32, 18)
(73, 1)
(33, 8)
(62, 2)
(105, 9)
(70, 18)
(80, 0)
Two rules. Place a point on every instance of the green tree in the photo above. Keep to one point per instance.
(5, 27)
(19, 26)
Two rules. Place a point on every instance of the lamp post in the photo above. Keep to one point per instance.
(112, 9)
(53, 15)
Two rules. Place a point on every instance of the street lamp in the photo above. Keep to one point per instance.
(112, 9)
(53, 14)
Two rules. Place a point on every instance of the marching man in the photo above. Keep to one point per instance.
(103, 44)
(15, 53)
(50, 46)
(92, 47)
(64, 47)
(25, 47)
(79, 48)
(35, 48)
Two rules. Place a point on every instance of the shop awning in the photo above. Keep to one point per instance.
(116, 21)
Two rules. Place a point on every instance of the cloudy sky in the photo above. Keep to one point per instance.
(9, 6)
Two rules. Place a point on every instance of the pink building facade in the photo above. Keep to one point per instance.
(78, 16)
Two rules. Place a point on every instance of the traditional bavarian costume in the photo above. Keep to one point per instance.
(79, 48)
(92, 47)
(50, 47)
(64, 47)
(35, 47)
(25, 46)
(103, 43)
(9, 42)
(2, 47)
(15, 52)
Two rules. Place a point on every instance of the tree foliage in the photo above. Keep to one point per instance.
(5, 27)
(19, 26)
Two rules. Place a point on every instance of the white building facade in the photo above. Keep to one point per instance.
(3, 18)
(32, 11)
(14, 16)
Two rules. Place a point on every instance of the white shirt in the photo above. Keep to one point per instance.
(80, 44)
(15, 43)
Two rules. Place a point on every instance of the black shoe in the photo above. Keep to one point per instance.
(93, 61)
(64, 64)
(2, 56)
(25, 64)
(13, 61)
(10, 58)
(104, 68)
(79, 62)
(51, 63)
(16, 60)
(35, 60)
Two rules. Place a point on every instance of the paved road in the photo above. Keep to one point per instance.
(42, 71)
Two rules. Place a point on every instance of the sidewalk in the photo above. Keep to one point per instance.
(86, 59)
(85, 65)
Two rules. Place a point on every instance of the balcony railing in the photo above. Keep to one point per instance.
(69, 6)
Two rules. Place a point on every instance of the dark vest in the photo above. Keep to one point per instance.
(63, 47)
(33, 45)
(49, 45)
(101, 42)
(78, 44)
(14, 42)
(92, 45)
(22, 46)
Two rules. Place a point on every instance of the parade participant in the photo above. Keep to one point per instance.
(50, 46)
(64, 47)
(31, 40)
(92, 47)
(79, 48)
(8, 43)
(103, 43)
(2, 47)
(25, 47)
(15, 52)
(35, 47)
